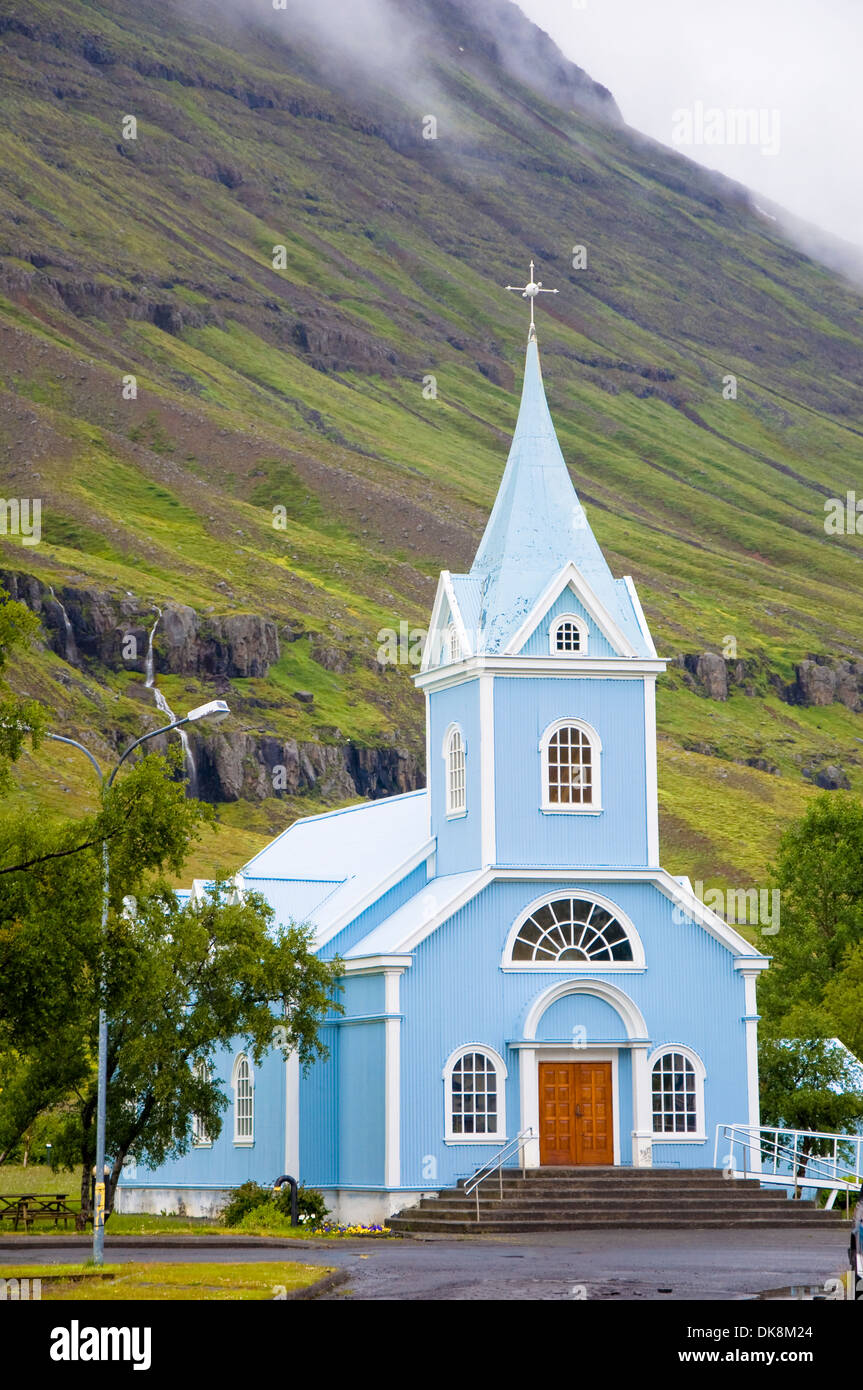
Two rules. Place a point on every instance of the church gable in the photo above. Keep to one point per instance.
(566, 628)
(569, 591)
(451, 635)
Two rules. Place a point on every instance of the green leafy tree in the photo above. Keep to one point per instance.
(184, 980)
(20, 719)
(809, 1083)
(812, 992)
(51, 887)
(819, 870)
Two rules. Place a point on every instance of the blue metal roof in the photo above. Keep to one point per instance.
(325, 869)
(536, 527)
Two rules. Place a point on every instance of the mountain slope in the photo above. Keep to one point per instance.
(302, 389)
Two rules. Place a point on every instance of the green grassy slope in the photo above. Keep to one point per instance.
(302, 388)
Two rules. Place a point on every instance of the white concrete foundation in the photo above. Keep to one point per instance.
(171, 1201)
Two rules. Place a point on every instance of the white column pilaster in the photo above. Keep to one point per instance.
(642, 1109)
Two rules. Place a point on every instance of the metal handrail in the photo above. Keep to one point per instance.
(495, 1165)
(822, 1170)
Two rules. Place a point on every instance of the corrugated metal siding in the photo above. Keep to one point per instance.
(455, 994)
(597, 643)
(319, 1123)
(226, 1164)
(524, 707)
(362, 1067)
(387, 903)
(458, 840)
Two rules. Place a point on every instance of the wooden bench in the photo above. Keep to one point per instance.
(27, 1207)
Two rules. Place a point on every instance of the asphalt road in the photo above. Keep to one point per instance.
(663, 1266)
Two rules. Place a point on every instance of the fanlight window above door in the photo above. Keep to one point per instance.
(571, 930)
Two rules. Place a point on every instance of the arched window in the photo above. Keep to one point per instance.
(572, 931)
(244, 1101)
(474, 1080)
(452, 645)
(454, 756)
(568, 636)
(571, 767)
(199, 1134)
(677, 1076)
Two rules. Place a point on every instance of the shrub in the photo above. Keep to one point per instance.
(273, 1210)
(312, 1210)
(244, 1199)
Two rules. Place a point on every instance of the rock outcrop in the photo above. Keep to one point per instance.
(235, 766)
(100, 626)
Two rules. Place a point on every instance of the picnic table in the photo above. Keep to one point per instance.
(27, 1207)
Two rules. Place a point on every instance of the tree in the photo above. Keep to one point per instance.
(819, 871)
(811, 994)
(51, 885)
(184, 980)
(20, 719)
(808, 1083)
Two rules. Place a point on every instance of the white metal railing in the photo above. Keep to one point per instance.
(495, 1165)
(787, 1157)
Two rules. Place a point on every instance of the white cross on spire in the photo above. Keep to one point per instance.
(530, 291)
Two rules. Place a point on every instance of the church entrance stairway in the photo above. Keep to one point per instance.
(574, 1199)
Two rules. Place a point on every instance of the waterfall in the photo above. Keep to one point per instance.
(70, 651)
(162, 704)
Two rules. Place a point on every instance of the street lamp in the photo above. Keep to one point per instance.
(214, 711)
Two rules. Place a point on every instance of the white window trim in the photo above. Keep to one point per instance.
(700, 1135)
(499, 1137)
(452, 814)
(243, 1141)
(204, 1142)
(576, 967)
(582, 635)
(594, 808)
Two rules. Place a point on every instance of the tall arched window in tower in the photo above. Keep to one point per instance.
(454, 755)
(571, 767)
(244, 1101)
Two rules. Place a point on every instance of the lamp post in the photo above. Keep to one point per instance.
(214, 711)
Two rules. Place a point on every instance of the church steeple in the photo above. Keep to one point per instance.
(537, 525)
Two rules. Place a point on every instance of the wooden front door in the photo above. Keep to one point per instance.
(575, 1113)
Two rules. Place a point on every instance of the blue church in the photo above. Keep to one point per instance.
(516, 961)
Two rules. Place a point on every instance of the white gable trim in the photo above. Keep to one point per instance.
(445, 595)
(639, 613)
(745, 957)
(711, 921)
(325, 934)
(570, 577)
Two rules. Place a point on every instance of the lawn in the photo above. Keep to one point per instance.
(163, 1282)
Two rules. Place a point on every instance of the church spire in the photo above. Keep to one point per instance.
(537, 524)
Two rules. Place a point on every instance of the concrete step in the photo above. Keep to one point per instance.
(501, 1211)
(664, 1193)
(575, 1206)
(669, 1221)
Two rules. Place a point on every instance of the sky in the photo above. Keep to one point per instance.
(676, 67)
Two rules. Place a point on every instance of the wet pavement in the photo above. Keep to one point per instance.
(663, 1266)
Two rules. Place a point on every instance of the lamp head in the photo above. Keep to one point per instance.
(215, 711)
